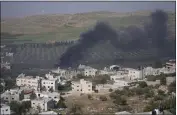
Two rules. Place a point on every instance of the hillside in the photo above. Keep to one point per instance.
(62, 27)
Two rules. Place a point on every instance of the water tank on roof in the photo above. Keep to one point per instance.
(115, 67)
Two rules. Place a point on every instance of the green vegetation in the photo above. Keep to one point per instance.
(172, 87)
(20, 108)
(61, 103)
(33, 96)
(103, 98)
(160, 77)
(37, 29)
(76, 110)
(163, 80)
(101, 79)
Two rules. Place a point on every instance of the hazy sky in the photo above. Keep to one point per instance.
(19, 9)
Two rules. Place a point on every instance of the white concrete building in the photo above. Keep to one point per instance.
(54, 95)
(118, 76)
(50, 83)
(115, 67)
(84, 67)
(59, 71)
(5, 109)
(90, 72)
(171, 64)
(105, 88)
(48, 113)
(82, 87)
(13, 95)
(43, 103)
(133, 74)
(29, 81)
(170, 80)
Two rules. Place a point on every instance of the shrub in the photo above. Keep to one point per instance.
(103, 98)
(163, 80)
(110, 90)
(123, 101)
(160, 92)
(158, 97)
(89, 97)
(142, 84)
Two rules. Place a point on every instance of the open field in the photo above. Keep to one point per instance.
(63, 27)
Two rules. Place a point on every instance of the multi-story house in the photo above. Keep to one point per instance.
(5, 109)
(82, 87)
(49, 83)
(42, 104)
(54, 95)
(134, 74)
(13, 95)
(28, 81)
(90, 72)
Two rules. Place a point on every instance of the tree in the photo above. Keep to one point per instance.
(103, 81)
(163, 80)
(123, 101)
(139, 91)
(172, 87)
(15, 106)
(158, 97)
(76, 109)
(43, 88)
(33, 96)
(61, 103)
(110, 90)
(26, 104)
(39, 108)
(103, 98)
(1, 88)
(143, 84)
(51, 89)
(160, 92)
(89, 97)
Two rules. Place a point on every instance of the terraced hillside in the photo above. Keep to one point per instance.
(62, 27)
(40, 29)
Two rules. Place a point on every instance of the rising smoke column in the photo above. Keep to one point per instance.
(102, 31)
(159, 28)
(156, 32)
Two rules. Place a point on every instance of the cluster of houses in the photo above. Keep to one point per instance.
(46, 88)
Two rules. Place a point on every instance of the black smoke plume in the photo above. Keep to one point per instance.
(159, 27)
(131, 38)
(101, 32)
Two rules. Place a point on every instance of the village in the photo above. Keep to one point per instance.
(86, 90)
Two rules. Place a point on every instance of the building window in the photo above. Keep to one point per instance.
(51, 83)
(43, 82)
(81, 89)
(33, 103)
(12, 98)
(77, 90)
(55, 97)
(6, 97)
(6, 109)
(88, 85)
(89, 89)
(48, 86)
(77, 86)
